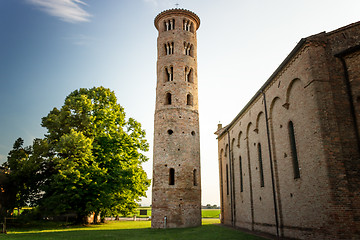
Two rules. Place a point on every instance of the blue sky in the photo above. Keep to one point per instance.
(48, 48)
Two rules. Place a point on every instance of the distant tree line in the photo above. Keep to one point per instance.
(209, 206)
(89, 161)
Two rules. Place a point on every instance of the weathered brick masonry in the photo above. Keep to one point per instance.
(176, 191)
(289, 162)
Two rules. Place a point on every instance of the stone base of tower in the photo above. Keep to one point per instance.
(176, 208)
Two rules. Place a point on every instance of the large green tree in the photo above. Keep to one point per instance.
(90, 159)
(97, 155)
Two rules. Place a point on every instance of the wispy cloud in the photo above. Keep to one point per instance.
(67, 10)
(79, 39)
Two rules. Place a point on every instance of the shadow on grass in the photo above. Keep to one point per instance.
(210, 231)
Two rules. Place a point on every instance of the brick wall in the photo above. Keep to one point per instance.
(319, 94)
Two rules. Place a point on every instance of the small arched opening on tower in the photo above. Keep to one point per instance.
(189, 100)
(169, 24)
(188, 49)
(169, 48)
(187, 25)
(188, 75)
(194, 178)
(168, 99)
(171, 176)
(169, 73)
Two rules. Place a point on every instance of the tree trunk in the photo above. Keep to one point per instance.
(102, 218)
(95, 221)
(81, 219)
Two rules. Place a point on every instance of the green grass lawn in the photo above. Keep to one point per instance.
(126, 230)
(205, 213)
(210, 213)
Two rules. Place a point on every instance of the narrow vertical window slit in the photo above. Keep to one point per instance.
(168, 99)
(189, 100)
(294, 155)
(194, 178)
(241, 175)
(261, 166)
(227, 180)
(171, 176)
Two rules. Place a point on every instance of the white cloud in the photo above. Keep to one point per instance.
(79, 39)
(67, 10)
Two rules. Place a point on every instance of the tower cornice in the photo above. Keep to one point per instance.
(173, 11)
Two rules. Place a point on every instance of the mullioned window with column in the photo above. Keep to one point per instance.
(188, 49)
(169, 76)
(169, 48)
(187, 25)
(169, 24)
(189, 75)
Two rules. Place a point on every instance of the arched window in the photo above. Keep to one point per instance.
(187, 25)
(168, 99)
(189, 100)
(169, 48)
(194, 178)
(241, 177)
(172, 24)
(188, 49)
(169, 24)
(169, 73)
(261, 166)
(239, 139)
(294, 155)
(189, 75)
(172, 176)
(227, 180)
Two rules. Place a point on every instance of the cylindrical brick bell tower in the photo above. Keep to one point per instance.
(176, 190)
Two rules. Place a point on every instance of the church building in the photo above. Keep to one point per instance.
(289, 162)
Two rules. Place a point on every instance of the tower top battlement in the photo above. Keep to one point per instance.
(171, 12)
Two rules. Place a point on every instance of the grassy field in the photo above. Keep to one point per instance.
(205, 213)
(210, 213)
(127, 230)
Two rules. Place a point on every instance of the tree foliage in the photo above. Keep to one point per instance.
(90, 159)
